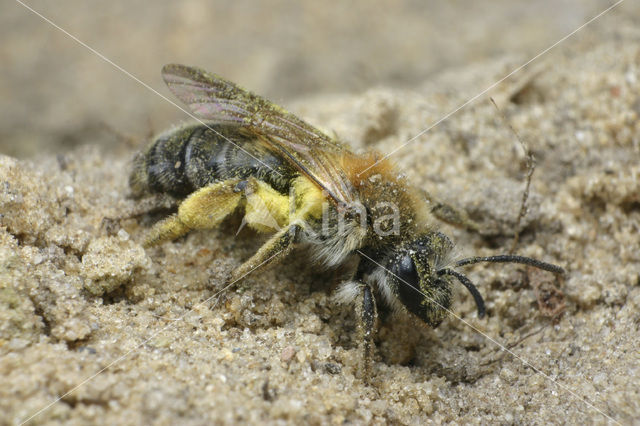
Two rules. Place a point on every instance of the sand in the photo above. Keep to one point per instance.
(132, 336)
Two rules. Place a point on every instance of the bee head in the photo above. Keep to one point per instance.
(420, 280)
(418, 276)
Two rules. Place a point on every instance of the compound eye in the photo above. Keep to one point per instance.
(406, 271)
(427, 298)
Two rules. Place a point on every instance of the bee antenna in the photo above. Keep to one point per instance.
(509, 258)
(469, 285)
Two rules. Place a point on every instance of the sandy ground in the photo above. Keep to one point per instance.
(130, 336)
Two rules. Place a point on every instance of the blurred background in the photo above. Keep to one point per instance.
(55, 94)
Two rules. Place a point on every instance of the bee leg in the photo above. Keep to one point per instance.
(367, 315)
(204, 209)
(277, 247)
(452, 215)
(151, 204)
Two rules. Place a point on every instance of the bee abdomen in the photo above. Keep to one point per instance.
(183, 160)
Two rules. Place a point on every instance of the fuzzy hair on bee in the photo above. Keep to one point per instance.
(305, 188)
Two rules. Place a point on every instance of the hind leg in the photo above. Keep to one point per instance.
(204, 209)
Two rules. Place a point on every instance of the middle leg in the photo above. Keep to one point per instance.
(277, 247)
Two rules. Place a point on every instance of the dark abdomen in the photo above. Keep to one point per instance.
(191, 157)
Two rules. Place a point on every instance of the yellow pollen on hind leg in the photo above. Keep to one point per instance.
(266, 209)
(309, 199)
(208, 206)
(204, 209)
(167, 229)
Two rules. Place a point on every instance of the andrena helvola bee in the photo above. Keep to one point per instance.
(306, 188)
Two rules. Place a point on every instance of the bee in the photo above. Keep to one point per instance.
(306, 188)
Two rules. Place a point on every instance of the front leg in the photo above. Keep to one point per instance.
(367, 314)
(450, 214)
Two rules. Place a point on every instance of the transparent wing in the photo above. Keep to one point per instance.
(213, 98)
